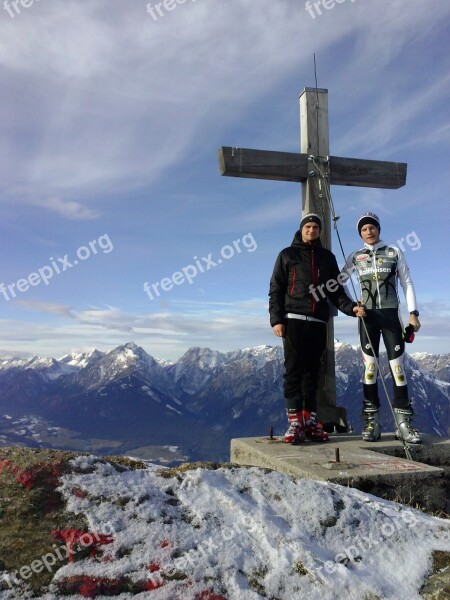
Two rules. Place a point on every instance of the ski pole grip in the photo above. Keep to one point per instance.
(408, 334)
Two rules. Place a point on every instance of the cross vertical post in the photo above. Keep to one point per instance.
(314, 141)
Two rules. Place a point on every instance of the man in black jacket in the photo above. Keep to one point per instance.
(305, 276)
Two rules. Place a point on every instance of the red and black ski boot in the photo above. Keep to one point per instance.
(314, 430)
(296, 431)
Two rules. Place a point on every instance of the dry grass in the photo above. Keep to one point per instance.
(28, 516)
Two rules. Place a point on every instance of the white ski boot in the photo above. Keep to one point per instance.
(372, 427)
(405, 431)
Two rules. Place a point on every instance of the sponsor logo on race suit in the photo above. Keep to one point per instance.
(371, 270)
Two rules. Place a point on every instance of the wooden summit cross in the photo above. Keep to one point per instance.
(288, 166)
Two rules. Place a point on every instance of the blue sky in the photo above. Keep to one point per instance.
(111, 120)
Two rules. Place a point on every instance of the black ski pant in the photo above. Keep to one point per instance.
(304, 344)
(383, 322)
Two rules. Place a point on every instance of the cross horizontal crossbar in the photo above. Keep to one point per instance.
(291, 166)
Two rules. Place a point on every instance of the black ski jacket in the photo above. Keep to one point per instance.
(299, 283)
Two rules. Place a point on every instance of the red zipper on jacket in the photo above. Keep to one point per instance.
(294, 273)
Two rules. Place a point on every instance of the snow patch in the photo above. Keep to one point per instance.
(241, 529)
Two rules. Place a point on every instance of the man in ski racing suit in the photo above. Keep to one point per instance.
(304, 277)
(379, 267)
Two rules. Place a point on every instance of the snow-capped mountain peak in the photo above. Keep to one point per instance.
(203, 399)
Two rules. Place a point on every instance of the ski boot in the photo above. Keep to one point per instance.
(314, 430)
(296, 431)
(372, 427)
(405, 431)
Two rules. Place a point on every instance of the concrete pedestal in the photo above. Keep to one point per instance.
(379, 468)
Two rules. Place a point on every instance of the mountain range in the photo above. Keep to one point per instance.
(128, 402)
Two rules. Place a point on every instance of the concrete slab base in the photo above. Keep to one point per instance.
(379, 468)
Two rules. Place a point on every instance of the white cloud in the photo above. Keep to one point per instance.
(67, 209)
(52, 308)
(168, 334)
(113, 96)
